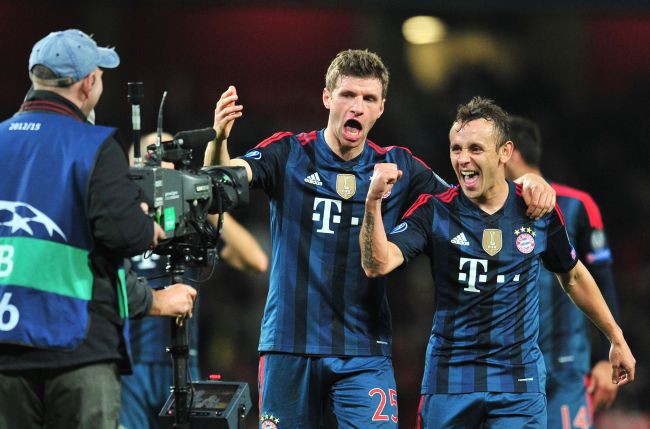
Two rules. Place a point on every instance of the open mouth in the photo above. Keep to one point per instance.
(469, 177)
(352, 129)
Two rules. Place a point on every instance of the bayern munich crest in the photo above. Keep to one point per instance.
(269, 421)
(525, 239)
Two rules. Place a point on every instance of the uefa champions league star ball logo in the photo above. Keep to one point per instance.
(269, 421)
(24, 217)
(525, 239)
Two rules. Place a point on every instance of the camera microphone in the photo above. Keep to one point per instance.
(135, 95)
(192, 139)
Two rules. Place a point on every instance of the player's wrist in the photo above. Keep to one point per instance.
(616, 337)
(373, 203)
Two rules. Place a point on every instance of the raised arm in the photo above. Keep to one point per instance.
(583, 291)
(241, 250)
(225, 114)
(378, 256)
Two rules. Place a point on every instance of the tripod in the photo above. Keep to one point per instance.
(179, 351)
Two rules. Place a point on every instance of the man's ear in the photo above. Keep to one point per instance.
(505, 151)
(381, 108)
(87, 84)
(326, 98)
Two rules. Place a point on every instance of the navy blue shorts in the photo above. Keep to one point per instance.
(484, 410)
(569, 404)
(295, 390)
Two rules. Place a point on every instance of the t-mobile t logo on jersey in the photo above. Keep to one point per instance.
(472, 280)
(482, 278)
(326, 214)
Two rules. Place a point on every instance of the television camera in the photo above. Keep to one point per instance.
(183, 197)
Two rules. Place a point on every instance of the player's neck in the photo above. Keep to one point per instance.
(493, 198)
(344, 152)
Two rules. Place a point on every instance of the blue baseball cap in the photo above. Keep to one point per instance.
(71, 55)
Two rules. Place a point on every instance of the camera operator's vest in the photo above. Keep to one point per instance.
(46, 281)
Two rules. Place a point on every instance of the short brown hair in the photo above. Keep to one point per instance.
(358, 63)
(484, 108)
(46, 77)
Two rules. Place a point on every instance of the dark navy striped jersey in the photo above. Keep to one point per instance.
(563, 333)
(150, 336)
(485, 270)
(320, 301)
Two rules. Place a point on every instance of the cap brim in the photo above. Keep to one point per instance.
(108, 58)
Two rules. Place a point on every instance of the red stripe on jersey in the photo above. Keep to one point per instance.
(519, 189)
(383, 150)
(422, 199)
(273, 138)
(420, 161)
(593, 212)
(378, 148)
(448, 195)
(559, 213)
(419, 423)
(49, 106)
(305, 138)
(260, 377)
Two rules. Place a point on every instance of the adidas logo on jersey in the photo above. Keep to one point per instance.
(460, 240)
(314, 179)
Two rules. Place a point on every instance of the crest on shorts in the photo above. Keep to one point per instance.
(525, 239)
(492, 241)
(346, 185)
(269, 421)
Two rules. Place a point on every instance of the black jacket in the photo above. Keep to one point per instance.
(120, 229)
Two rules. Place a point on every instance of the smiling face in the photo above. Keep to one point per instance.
(478, 160)
(355, 104)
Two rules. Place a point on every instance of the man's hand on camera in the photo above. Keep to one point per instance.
(158, 234)
(176, 300)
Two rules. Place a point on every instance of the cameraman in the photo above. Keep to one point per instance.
(68, 216)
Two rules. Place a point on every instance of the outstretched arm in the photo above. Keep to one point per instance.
(242, 251)
(583, 291)
(378, 256)
(225, 114)
(538, 195)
